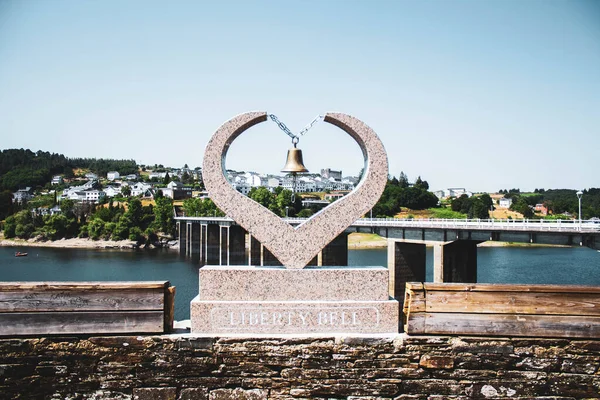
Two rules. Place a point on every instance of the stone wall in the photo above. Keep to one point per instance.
(191, 368)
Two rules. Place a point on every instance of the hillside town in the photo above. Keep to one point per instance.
(94, 189)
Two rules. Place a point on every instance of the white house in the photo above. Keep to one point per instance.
(112, 191)
(242, 187)
(273, 183)
(452, 192)
(176, 191)
(57, 180)
(157, 175)
(112, 175)
(22, 195)
(328, 173)
(140, 188)
(252, 179)
(91, 176)
(504, 202)
(94, 195)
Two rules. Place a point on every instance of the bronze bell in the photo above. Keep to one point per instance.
(294, 163)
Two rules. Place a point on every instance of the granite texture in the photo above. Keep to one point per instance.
(245, 283)
(293, 317)
(295, 246)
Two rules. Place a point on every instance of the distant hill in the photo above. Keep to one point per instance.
(20, 168)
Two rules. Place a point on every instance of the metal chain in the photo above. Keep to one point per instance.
(295, 139)
(309, 126)
(284, 128)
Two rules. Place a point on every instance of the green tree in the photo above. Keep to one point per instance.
(487, 201)
(10, 226)
(193, 207)
(460, 204)
(403, 180)
(134, 211)
(24, 224)
(478, 209)
(421, 184)
(121, 230)
(262, 196)
(305, 213)
(95, 228)
(163, 212)
(6, 204)
(56, 226)
(186, 178)
(109, 229)
(66, 207)
(520, 205)
(135, 234)
(282, 201)
(126, 190)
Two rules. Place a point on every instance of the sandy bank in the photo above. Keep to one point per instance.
(73, 243)
(373, 241)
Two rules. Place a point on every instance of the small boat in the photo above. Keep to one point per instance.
(19, 254)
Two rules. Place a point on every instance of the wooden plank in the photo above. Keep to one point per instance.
(49, 323)
(169, 311)
(504, 325)
(414, 286)
(414, 324)
(492, 287)
(414, 301)
(98, 285)
(78, 299)
(514, 303)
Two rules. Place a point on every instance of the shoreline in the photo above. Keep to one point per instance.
(76, 243)
(362, 242)
(365, 241)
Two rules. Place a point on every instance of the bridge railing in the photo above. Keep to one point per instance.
(494, 224)
(508, 224)
(500, 224)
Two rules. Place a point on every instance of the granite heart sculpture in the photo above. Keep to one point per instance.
(295, 246)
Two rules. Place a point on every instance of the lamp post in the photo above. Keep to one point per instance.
(579, 195)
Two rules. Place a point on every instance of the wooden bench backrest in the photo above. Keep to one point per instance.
(502, 310)
(40, 308)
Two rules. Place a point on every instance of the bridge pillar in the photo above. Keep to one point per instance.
(182, 233)
(203, 236)
(406, 263)
(237, 245)
(194, 245)
(224, 245)
(188, 237)
(255, 258)
(213, 242)
(455, 261)
(336, 252)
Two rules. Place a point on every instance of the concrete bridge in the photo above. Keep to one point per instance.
(220, 241)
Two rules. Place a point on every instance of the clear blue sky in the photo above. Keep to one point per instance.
(477, 94)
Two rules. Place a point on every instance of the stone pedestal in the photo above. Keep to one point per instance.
(276, 300)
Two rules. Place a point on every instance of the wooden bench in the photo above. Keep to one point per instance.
(502, 310)
(47, 308)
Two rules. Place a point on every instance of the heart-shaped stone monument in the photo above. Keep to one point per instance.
(295, 246)
(244, 299)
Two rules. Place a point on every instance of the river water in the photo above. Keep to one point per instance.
(548, 265)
